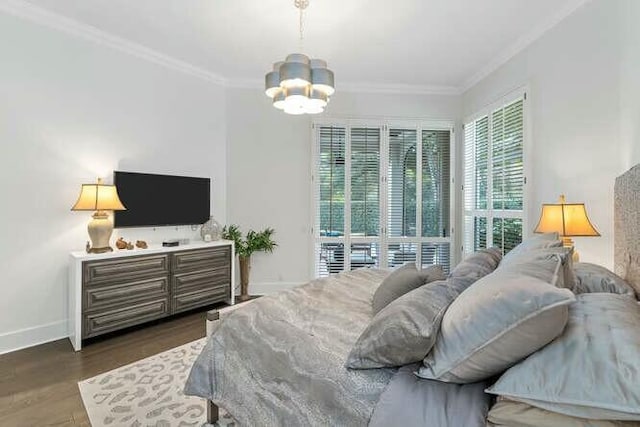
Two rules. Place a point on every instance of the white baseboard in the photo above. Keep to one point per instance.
(270, 288)
(28, 337)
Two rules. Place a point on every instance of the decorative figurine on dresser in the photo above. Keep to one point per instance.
(121, 243)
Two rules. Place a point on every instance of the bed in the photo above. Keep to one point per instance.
(281, 360)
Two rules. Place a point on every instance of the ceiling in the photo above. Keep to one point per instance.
(429, 44)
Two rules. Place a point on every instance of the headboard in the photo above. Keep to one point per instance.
(627, 227)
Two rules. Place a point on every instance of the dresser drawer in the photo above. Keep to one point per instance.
(134, 314)
(203, 280)
(200, 259)
(117, 269)
(188, 301)
(124, 293)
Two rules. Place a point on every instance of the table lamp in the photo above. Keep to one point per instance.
(99, 198)
(568, 220)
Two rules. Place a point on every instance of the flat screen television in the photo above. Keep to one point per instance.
(157, 200)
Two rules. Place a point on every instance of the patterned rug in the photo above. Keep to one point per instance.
(148, 393)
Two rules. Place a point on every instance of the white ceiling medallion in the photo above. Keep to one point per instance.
(300, 85)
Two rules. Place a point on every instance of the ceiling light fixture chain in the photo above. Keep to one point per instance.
(301, 5)
(300, 85)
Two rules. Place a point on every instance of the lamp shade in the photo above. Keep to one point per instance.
(272, 81)
(98, 197)
(567, 219)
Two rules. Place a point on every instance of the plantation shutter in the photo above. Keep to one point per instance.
(508, 174)
(401, 179)
(382, 196)
(330, 178)
(494, 178)
(331, 175)
(365, 197)
(469, 189)
(476, 183)
(402, 195)
(365, 182)
(436, 197)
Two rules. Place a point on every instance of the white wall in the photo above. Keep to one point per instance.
(630, 83)
(72, 110)
(573, 75)
(270, 168)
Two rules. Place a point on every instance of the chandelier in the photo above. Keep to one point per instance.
(300, 85)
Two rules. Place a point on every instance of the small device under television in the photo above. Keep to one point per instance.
(161, 200)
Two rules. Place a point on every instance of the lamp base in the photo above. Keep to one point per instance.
(567, 242)
(100, 229)
(99, 250)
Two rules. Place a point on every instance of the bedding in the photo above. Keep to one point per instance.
(412, 402)
(280, 360)
(509, 413)
(405, 330)
(402, 280)
(539, 241)
(543, 264)
(592, 370)
(593, 278)
(475, 266)
(495, 323)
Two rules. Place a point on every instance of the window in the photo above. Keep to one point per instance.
(494, 177)
(382, 195)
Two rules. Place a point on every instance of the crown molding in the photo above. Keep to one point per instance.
(382, 88)
(245, 84)
(522, 43)
(38, 15)
(399, 88)
(41, 16)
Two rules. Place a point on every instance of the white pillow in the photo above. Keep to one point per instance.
(592, 370)
(495, 323)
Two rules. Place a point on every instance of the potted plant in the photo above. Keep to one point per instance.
(254, 242)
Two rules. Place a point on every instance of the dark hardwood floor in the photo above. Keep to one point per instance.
(38, 385)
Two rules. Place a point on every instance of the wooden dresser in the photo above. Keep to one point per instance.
(112, 291)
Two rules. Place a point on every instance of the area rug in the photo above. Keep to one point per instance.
(148, 393)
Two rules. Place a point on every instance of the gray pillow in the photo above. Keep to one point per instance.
(403, 280)
(495, 323)
(595, 278)
(539, 241)
(476, 266)
(404, 331)
(543, 264)
(592, 370)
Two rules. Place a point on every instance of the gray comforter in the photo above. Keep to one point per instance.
(279, 361)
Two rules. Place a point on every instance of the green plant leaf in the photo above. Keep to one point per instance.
(254, 242)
